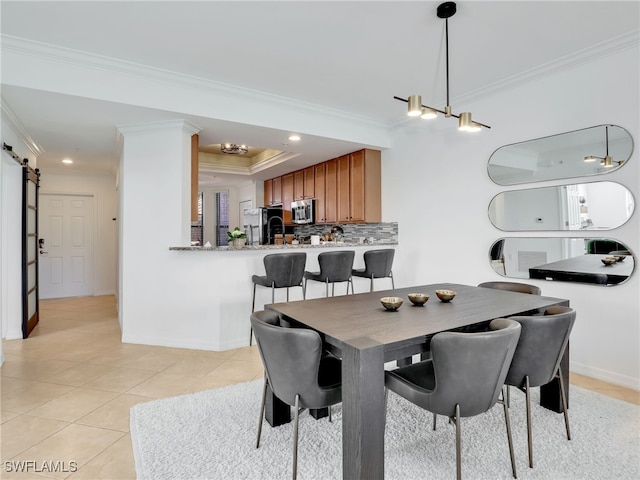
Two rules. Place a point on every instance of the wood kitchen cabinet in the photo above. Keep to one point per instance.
(276, 191)
(358, 187)
(287, 197)
(309, 182)
(325, 191)
(304, 183)
(298, 185)
(346, 189)
(268, 192)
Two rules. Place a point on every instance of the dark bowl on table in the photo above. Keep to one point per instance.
(609, 260)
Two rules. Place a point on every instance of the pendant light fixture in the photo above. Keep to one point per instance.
(607, 161)
(445, 10)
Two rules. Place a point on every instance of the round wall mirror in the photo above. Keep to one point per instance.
(591, 151)
(584, 206)
(598, 261)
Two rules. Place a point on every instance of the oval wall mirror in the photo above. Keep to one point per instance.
(583, 206)
(591, 151)
(563, 259)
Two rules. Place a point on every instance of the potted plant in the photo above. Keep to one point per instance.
(237, 238)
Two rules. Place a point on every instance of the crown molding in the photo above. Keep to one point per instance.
(621, 42)
(16, 125)
(78, 58)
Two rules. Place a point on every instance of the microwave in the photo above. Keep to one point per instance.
(302, 211)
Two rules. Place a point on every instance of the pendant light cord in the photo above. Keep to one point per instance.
(446, 34)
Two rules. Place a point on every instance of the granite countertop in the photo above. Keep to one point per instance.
(285, 246)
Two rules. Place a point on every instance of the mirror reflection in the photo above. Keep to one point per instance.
(600, 261)
(590, 151)
(585, 206)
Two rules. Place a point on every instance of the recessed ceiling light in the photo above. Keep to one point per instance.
(294, 138)
(67, 161)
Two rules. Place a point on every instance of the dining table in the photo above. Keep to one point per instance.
(365, 336)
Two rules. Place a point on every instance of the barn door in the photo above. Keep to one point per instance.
(30, 250)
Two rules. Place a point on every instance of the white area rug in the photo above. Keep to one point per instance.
(211, 435)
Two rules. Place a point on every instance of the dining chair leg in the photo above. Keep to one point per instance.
(509, 437)
(295, 437)
(264, 400)
(386, 401)
(458, 444)
(527, 395)
(287, 294)
(273, 292)
(508, 399)
(329, 413)
(253, 309)
(304, 290)
(564, 404)
(393, 285)
(435, 418)
(326, 282)
(371, 284)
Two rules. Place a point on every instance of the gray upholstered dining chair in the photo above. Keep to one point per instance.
(283, 270)
(542, 344)
(377, 264)
(464, 376)
(334, 267)
(513, 287)
(295, 369)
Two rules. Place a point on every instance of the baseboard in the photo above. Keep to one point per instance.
(171, 342)
(606, 376)
(104, 292)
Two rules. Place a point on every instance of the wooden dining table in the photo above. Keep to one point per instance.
(366, 336)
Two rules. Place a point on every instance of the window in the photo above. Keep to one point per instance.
(222, 218)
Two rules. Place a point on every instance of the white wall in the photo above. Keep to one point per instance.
(11, 232)
(446, 234)
(103, 189)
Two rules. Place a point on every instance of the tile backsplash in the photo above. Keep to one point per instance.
(353, 232)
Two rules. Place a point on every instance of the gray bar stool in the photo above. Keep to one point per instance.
(283, 270)
(334, 267)
(377, 264)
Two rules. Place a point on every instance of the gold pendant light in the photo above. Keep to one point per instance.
(415, 107)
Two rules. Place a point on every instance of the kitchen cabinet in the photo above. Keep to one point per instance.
(287, 197)
(304, 183)
(268, 192)
(298, 185)
(358, 187)
(276, 191)
(346, 189)
(325, 191)
(309, 182)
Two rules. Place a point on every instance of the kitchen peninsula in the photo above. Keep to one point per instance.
(222, 274)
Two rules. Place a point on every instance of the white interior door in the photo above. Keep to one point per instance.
(66, 255)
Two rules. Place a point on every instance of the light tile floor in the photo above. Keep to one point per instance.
(67, 390)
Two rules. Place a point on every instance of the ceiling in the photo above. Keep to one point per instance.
(350, 57)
